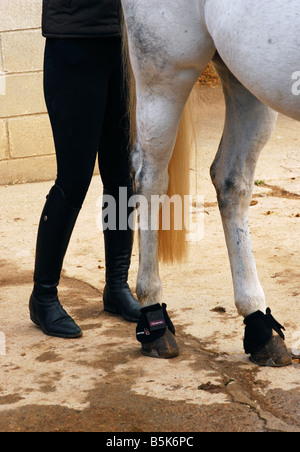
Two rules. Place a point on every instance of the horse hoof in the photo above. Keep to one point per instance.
(273, 354)
(164, 347)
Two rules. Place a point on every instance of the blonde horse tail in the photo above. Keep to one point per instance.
(173, 244)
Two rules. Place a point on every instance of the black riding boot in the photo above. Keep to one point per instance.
(56, 226)
(117, 296)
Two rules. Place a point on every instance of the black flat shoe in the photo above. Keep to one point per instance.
(52, 319)
(121, 301)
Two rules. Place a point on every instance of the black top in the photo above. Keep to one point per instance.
(81, 18)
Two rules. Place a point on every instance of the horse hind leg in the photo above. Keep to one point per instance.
(153, 150)
(248, 127)
(159, 112)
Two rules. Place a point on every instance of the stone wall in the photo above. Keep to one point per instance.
(26, 143)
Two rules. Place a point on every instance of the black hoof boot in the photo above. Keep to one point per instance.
(265, 348)
(156, 333)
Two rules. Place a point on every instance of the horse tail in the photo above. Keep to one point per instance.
(173, 246)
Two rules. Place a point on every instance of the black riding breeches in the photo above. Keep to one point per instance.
(86, 101)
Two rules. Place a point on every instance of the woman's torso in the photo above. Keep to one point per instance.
(81, 18)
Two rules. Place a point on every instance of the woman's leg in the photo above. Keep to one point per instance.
(75, 84)
(114, 164)
(55, 229)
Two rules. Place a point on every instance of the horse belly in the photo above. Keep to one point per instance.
(260, 44)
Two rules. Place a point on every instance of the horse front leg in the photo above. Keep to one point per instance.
(248, 127)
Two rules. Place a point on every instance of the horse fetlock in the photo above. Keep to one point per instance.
(149, 294)
(247, 304)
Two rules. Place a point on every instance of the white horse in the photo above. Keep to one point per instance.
(255, 47)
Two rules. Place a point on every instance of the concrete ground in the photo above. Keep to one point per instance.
(102, 382)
